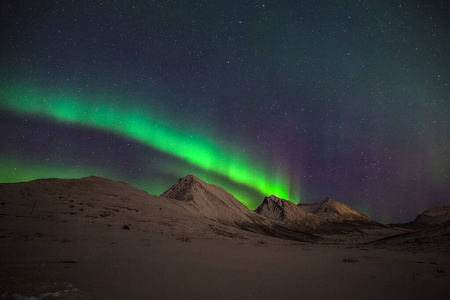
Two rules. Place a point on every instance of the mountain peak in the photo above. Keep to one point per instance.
(190, 177)
(275, 199)
(329, 200)
(185, 189)
(208, 200)
(277, 209)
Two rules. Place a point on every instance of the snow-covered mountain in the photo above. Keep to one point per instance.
(190, 207)
(213, 202)
(333, 211)
(286, 212)
(329, 214)
(210, 201)
(92, 199)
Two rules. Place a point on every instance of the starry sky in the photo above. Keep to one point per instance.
(300, 99)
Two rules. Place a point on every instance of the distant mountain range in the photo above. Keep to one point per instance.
(190, 206)
(215, 203)
(329, 216)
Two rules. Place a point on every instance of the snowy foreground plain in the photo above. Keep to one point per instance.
(99, 239)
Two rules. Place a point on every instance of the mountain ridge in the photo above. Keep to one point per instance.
(428, 218)
(217, 204)
(188, 200)
(325, 217)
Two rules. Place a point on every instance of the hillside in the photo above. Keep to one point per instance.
(431, 217)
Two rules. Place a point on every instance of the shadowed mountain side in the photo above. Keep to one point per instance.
(431, 217)
(213, 202)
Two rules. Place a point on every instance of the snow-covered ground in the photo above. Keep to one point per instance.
(95, 238)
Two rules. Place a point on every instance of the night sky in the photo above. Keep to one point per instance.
(300, 99)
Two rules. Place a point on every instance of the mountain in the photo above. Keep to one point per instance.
(213, 202)
(287, 212)
(327, 216)
(431, 217)
(334, 211)
(190, 207)
(91, 199)
(210, 200)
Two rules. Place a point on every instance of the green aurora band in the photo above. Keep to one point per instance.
(141, 125)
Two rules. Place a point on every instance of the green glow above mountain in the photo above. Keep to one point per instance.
(224, 160)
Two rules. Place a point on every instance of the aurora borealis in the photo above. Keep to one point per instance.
(134, 124)
(299, 99)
